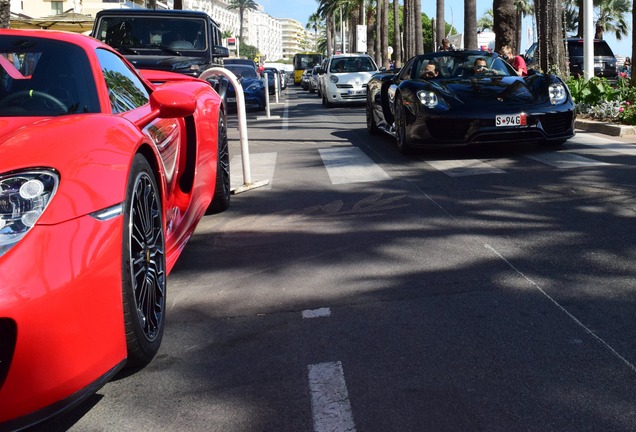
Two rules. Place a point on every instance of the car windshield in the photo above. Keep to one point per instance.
(458, 64)
(130, 34)
(44, 77)
(352, 64)
(242, 71)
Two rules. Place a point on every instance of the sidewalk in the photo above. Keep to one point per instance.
(622, 132)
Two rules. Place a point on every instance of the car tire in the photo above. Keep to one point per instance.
(325, 101)
(400, 126)
(144, 265)
(222, 189)
(372, 127)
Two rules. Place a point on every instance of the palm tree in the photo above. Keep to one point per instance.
(611, 17)
(522, 8)
(633, 76)
(470, 24)
(314, 22)
(552, 56)
(242, 6)
(486, 21)
(397, 40)
(5, 13)
(505, 21)
(385, 34)
(440, 25)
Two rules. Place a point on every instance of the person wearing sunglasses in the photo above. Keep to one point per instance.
(480, 67)
(429, 71)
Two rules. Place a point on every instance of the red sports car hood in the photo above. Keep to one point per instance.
(8, 125)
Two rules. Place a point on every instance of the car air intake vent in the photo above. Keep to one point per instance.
(8, 335)
(556, 124)
(344, 86)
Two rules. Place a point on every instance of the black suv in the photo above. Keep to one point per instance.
(604, 59)
(182, 41)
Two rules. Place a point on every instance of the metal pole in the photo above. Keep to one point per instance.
(588, 39)
(242, 126)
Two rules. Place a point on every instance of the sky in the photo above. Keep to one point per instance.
(300, 10)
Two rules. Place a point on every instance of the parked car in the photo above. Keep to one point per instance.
(253, 87)
(314, 79)
(282, 80)
(304, 79)
(468, 102)
(240, 61)
(104, 177)
(605, 63)
(272, 74)
(345, 78)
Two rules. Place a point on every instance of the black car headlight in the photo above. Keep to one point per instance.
(428, 98)
(23, 198)
(557, 93)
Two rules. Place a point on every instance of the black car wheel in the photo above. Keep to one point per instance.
(222, 192)
(144, 265)
(400, 126)
(372, 127)
(325, 101)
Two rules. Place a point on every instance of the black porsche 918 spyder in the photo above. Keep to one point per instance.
(459, 98)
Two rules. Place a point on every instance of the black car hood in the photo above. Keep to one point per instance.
(490, 90)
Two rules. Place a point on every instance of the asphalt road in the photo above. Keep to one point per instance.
(479, 289)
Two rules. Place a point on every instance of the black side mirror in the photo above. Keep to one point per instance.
(220, 51)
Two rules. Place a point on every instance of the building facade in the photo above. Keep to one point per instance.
(276, 38)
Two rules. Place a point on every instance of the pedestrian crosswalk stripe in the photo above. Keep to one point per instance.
(350, 165)
(464, 167)
(605, 144)
(565, 160)
(261, 168)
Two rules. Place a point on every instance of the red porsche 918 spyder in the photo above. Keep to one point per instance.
(103, 179)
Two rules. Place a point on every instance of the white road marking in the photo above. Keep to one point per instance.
(564, 160)
(261, 168)
(605, 144)
(351, 165)
(564, 310)
(317, 313)
(329, 398)
(464, 167)
(285, 125)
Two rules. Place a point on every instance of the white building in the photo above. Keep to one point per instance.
(275, 38)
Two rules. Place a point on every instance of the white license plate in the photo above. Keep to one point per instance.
(598, 65)
(356, 92)
(511, 120)
(231, 99)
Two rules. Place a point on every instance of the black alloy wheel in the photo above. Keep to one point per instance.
(400, 126)
(222, 191)
(144, 265)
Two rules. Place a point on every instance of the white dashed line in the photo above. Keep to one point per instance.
(329, 398)
(317, 313)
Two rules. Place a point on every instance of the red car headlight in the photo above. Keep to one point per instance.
(23, 198)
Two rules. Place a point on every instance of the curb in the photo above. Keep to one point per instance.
(605, 128)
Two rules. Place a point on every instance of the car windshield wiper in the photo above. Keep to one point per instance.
(166, 48)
